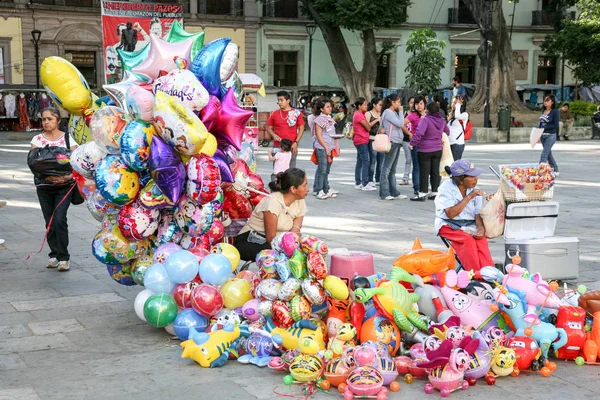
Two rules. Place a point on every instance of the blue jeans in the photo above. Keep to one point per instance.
(375, 164)
(548, 141)
(322, 172)
(407, 160)
(387, 185)
(361, 171)
(415, 169)
(457, 151)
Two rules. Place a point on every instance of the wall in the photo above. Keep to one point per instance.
(10, 33)
(238, 36)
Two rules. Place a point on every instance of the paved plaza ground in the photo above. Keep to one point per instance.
(75, 335)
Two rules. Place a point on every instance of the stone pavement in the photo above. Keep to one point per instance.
(75, 335)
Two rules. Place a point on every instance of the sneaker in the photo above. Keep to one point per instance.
(376, 183)
(2, 203)
(315, 193)
(389, 198)
(432, 196)
(557, 174)
(322, 195)
(331, 195)
(402, 196)
(64, 265)
(2, 241)
(334, 191)
(369, 187)
(419, 197)
(566, 137)
(359, 187)
(404, 182)
(52, 263)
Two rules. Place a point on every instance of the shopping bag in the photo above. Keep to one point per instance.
(447, 158)
(534, 137)
(492, 215)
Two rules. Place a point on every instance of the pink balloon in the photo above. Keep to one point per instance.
(140, 103)
(209, 115)
(232, 121)
(161, 56)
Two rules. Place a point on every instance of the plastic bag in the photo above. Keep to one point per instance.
(493, 215)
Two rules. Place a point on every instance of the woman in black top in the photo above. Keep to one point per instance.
(549, 121)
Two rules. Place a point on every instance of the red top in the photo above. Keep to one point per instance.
(286, 125)
(361, 134)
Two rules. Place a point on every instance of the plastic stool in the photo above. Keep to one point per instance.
(347, 265)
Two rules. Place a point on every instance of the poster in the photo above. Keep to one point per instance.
(128, 25)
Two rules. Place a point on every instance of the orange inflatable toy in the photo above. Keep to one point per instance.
(426, 262)
(381, 330)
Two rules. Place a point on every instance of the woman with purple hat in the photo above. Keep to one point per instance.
(457, 219)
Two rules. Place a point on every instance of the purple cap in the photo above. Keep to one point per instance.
(464, 167)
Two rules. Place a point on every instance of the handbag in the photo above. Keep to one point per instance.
(447, 158)
(493, 215)
(535, 135)
(382, 143)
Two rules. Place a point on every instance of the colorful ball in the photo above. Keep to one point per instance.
(236, 292)
(160, 310)
(229, 251)
(215, 269)
(181, 266)
(187, 319)
(207, 300)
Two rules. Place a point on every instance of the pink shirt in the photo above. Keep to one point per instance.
(282, 162)
(361, 135)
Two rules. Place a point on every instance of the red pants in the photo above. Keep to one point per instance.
(474, 253)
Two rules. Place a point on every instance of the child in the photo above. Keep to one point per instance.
(281, 159)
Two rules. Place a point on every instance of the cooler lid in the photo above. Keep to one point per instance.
(530, 220)
(554, 240)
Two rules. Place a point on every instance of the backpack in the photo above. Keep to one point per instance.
(468, 130)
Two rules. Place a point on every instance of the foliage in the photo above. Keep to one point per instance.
(582, 108)
(425, 64)
(360, 15)
(579, 43)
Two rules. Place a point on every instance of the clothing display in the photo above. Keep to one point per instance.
(44, 101)
(2, 108)
(23, 116)
(10, 103)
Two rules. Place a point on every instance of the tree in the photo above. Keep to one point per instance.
(424, 68)
(502, 83)
(362, 16)
(578, 42)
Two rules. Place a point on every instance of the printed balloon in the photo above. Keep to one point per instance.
(184, 86)
(137, 222)
(139, 266)
(195, 242)
(168, 230)
(135, 150)
(205, 177)
(107, 126)
(120, 248)
(99, 207)
(140, 104)
(151, 197)
(229, 61)
(85, 159)
(117, 183)
(65, 85)
(121, 273)
(193, 219)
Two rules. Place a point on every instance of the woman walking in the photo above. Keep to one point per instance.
(375, 158)
(411, 123)
(457, 122)
(392, 123)
(324, 144)
(361, 142)
(428, 139)
(550, 122)
(54, 192)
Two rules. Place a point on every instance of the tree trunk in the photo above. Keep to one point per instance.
(354, 82)
(502, 83)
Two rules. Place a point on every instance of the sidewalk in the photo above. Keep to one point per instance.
(75, 335)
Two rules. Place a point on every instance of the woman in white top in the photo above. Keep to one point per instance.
(457, 122)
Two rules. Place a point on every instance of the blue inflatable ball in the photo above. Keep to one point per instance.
(121, 273)
(215, 269)
(116, 182)
(181, 266)
(135, 150)
(186, 319)
(100, 252)
(157, 280)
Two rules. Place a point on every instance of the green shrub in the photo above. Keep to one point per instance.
(582, 108)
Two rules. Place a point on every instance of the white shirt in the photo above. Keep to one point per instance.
(457, 135)
(448, 196)
(42, 141)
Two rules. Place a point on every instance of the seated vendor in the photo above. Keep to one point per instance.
(281, 211)
(457, 217)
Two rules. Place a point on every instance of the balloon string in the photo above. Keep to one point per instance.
(293, 396)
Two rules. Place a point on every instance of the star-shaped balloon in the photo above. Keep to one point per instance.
(209, 115)
(161, 56)
(207, 65)
(229, 128)
(178, 34)
(118, 91)
(223, 162)
(131, 59)
(167, 169)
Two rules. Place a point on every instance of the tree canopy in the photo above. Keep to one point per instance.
(426, 60)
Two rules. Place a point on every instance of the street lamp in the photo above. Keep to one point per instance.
(36, 34)
(310, 29)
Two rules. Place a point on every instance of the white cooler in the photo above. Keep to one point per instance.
(531, 220)
(555, 257)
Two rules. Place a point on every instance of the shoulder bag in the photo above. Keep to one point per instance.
(382, 143)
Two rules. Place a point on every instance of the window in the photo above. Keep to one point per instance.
(79, 3)
(464, 68)
(218, 7)
(546, 70)
(85, 61)
(383, 71)
(280, 8)
(464, 14)
(286, 68)
(2, 79)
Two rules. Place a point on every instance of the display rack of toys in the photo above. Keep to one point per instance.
(527, 182)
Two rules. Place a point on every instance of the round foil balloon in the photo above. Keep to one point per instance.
(100, 252)
(152, 197)
(282, 315)
(229, 61)
(106, 126)
(99, 207)
(168, 230)
(140, 104)
(137, 222)
(300, 307)
(194, 242)
(289, 289)
(282, 267)
(135, 150)
(121, 273)
(183, 85)
(317, 268)
(215, 235)
(164, 251)
(205, 177)
(286, 242)
(120, 248)
(139, 266)
(268, 289)
(207, 300)
(116, 181)
(236, 205)
(264, 308)
(85, 159)
(193, 219)
(313, 291)
(265, 260)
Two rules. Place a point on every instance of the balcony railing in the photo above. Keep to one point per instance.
(460, 15)
(543, 18)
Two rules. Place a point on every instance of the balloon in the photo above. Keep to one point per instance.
(234, 83)
(289, 289)
(86, 158)
(79, 130)
(161, 56)
(136, 222)
(164, 251)
(179, 127)
(167, 169)
(282, 267)
(66, 86)
(221, 159)
(100, 252)
(177, 34)
(310, 243)
(181, 266)
(313, 291)
(106, 126)
(118, 91)
(300, 307)
(265, 261)
(250, 310)
(236, 292)
(193, 219)
(229, 61)
(160, 310)
(187, 319)
(157, 280)
(229, 128)
(336, 287)
(200, 252)
(139, 267)
(117, 182)
(183, 85)
(297, 264)
(86, 186)
(139, 302)
(135, 150)
(152, 197)
(140, 104)
(246, 154)
(99, 207)
(381, 330)
(207, 300)
(121, 273)
(236, 204)
(209, 115)
(168, 230)
(190, 242)
(286, 242)
(215, 234)
(207, 65)
(204, 179)
(268, 289)
(215, 269)
(317, 267)
(120, 248)
(182, 293)
(131, 59)
(282, 315)
(229, 251)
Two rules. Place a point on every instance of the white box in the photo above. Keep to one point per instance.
(554, 257)
(531, 220)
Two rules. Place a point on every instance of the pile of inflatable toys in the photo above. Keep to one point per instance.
(165, 169)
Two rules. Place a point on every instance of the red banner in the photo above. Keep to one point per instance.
(127, 26)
